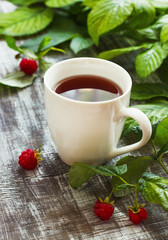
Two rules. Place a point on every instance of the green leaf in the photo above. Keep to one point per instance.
(79, 43)
(45, 41)
(107, 15)
(25, 3)
(143, 14)
(80, 172)
(155, 112)
(90, 3)
(12, 44)
(163, 4)
(59, 3)
(62, 30)
(123, 187)
(42, 53)
(17, 79)
(161, 135)
(162, 151)
(161, 21)
(135, 168)
(164, 33)
(154, 189)
(117, 52)
(143, 91)
(43, 66)
(25, 21)
(153, 31)
(149, 61)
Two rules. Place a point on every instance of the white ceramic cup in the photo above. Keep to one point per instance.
(89, 132)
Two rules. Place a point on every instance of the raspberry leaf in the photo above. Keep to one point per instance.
(79, 43)
(135, 168)
(162, 151)
(143, 91)
(154, 189)
(59, 3)
(80, 172)
(25, 3)
(107, 15)
(12, 44)
(117, 52)
(62, 29)
(161, 135)
(17, 79)
(123, 186)
(25, 21)
(152, 59)
(154, 111)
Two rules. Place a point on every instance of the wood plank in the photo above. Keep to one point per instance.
(40, 204)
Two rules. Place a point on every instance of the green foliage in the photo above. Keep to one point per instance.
(163, 4)
(155, 112)
(62, 30)
(17, 79)
(81, 172)
(161, 136)
(107, 15)
(154, 189)
(151, 59)
(117, 52)
(164, 34)
(163, 150)
(135, 167)
(25, 21)
(79, 43)
(25, 3)
(144, 91)
(59, 3)
(143, 15)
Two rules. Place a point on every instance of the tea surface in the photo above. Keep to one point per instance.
(89, 88)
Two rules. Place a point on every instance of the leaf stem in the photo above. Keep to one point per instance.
(133, 185)
(136, 198)
(112, 192)
(154, 147)
(162, 165)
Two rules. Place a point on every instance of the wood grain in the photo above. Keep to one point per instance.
(40, 204)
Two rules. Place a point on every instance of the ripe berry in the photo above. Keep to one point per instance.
(143, 213)
(28, 66)
(103, 209)
(138, 216)
(29, 159)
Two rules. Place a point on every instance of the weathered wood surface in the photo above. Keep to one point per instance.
(40, 204)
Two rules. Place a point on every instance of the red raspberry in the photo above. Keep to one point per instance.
(143, 213)
(134, 217)
(103, 210)
(137, 217)
(28, 66)
(29, 159)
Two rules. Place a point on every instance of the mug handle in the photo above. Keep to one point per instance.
(144, 123)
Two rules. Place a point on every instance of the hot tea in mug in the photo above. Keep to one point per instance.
(89, 88)
(86, 101)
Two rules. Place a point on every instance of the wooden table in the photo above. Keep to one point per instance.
(40, 204)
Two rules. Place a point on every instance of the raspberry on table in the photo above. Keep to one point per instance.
(137, 216)
(28, 66)
(29, 159)
(103, 209)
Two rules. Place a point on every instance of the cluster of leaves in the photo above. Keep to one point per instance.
(130, 173)
(83, 22)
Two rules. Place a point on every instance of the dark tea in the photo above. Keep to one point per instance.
(89, 88)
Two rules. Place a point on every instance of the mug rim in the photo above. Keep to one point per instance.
(87, 102)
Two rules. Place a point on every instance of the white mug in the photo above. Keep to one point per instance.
(89, 132)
